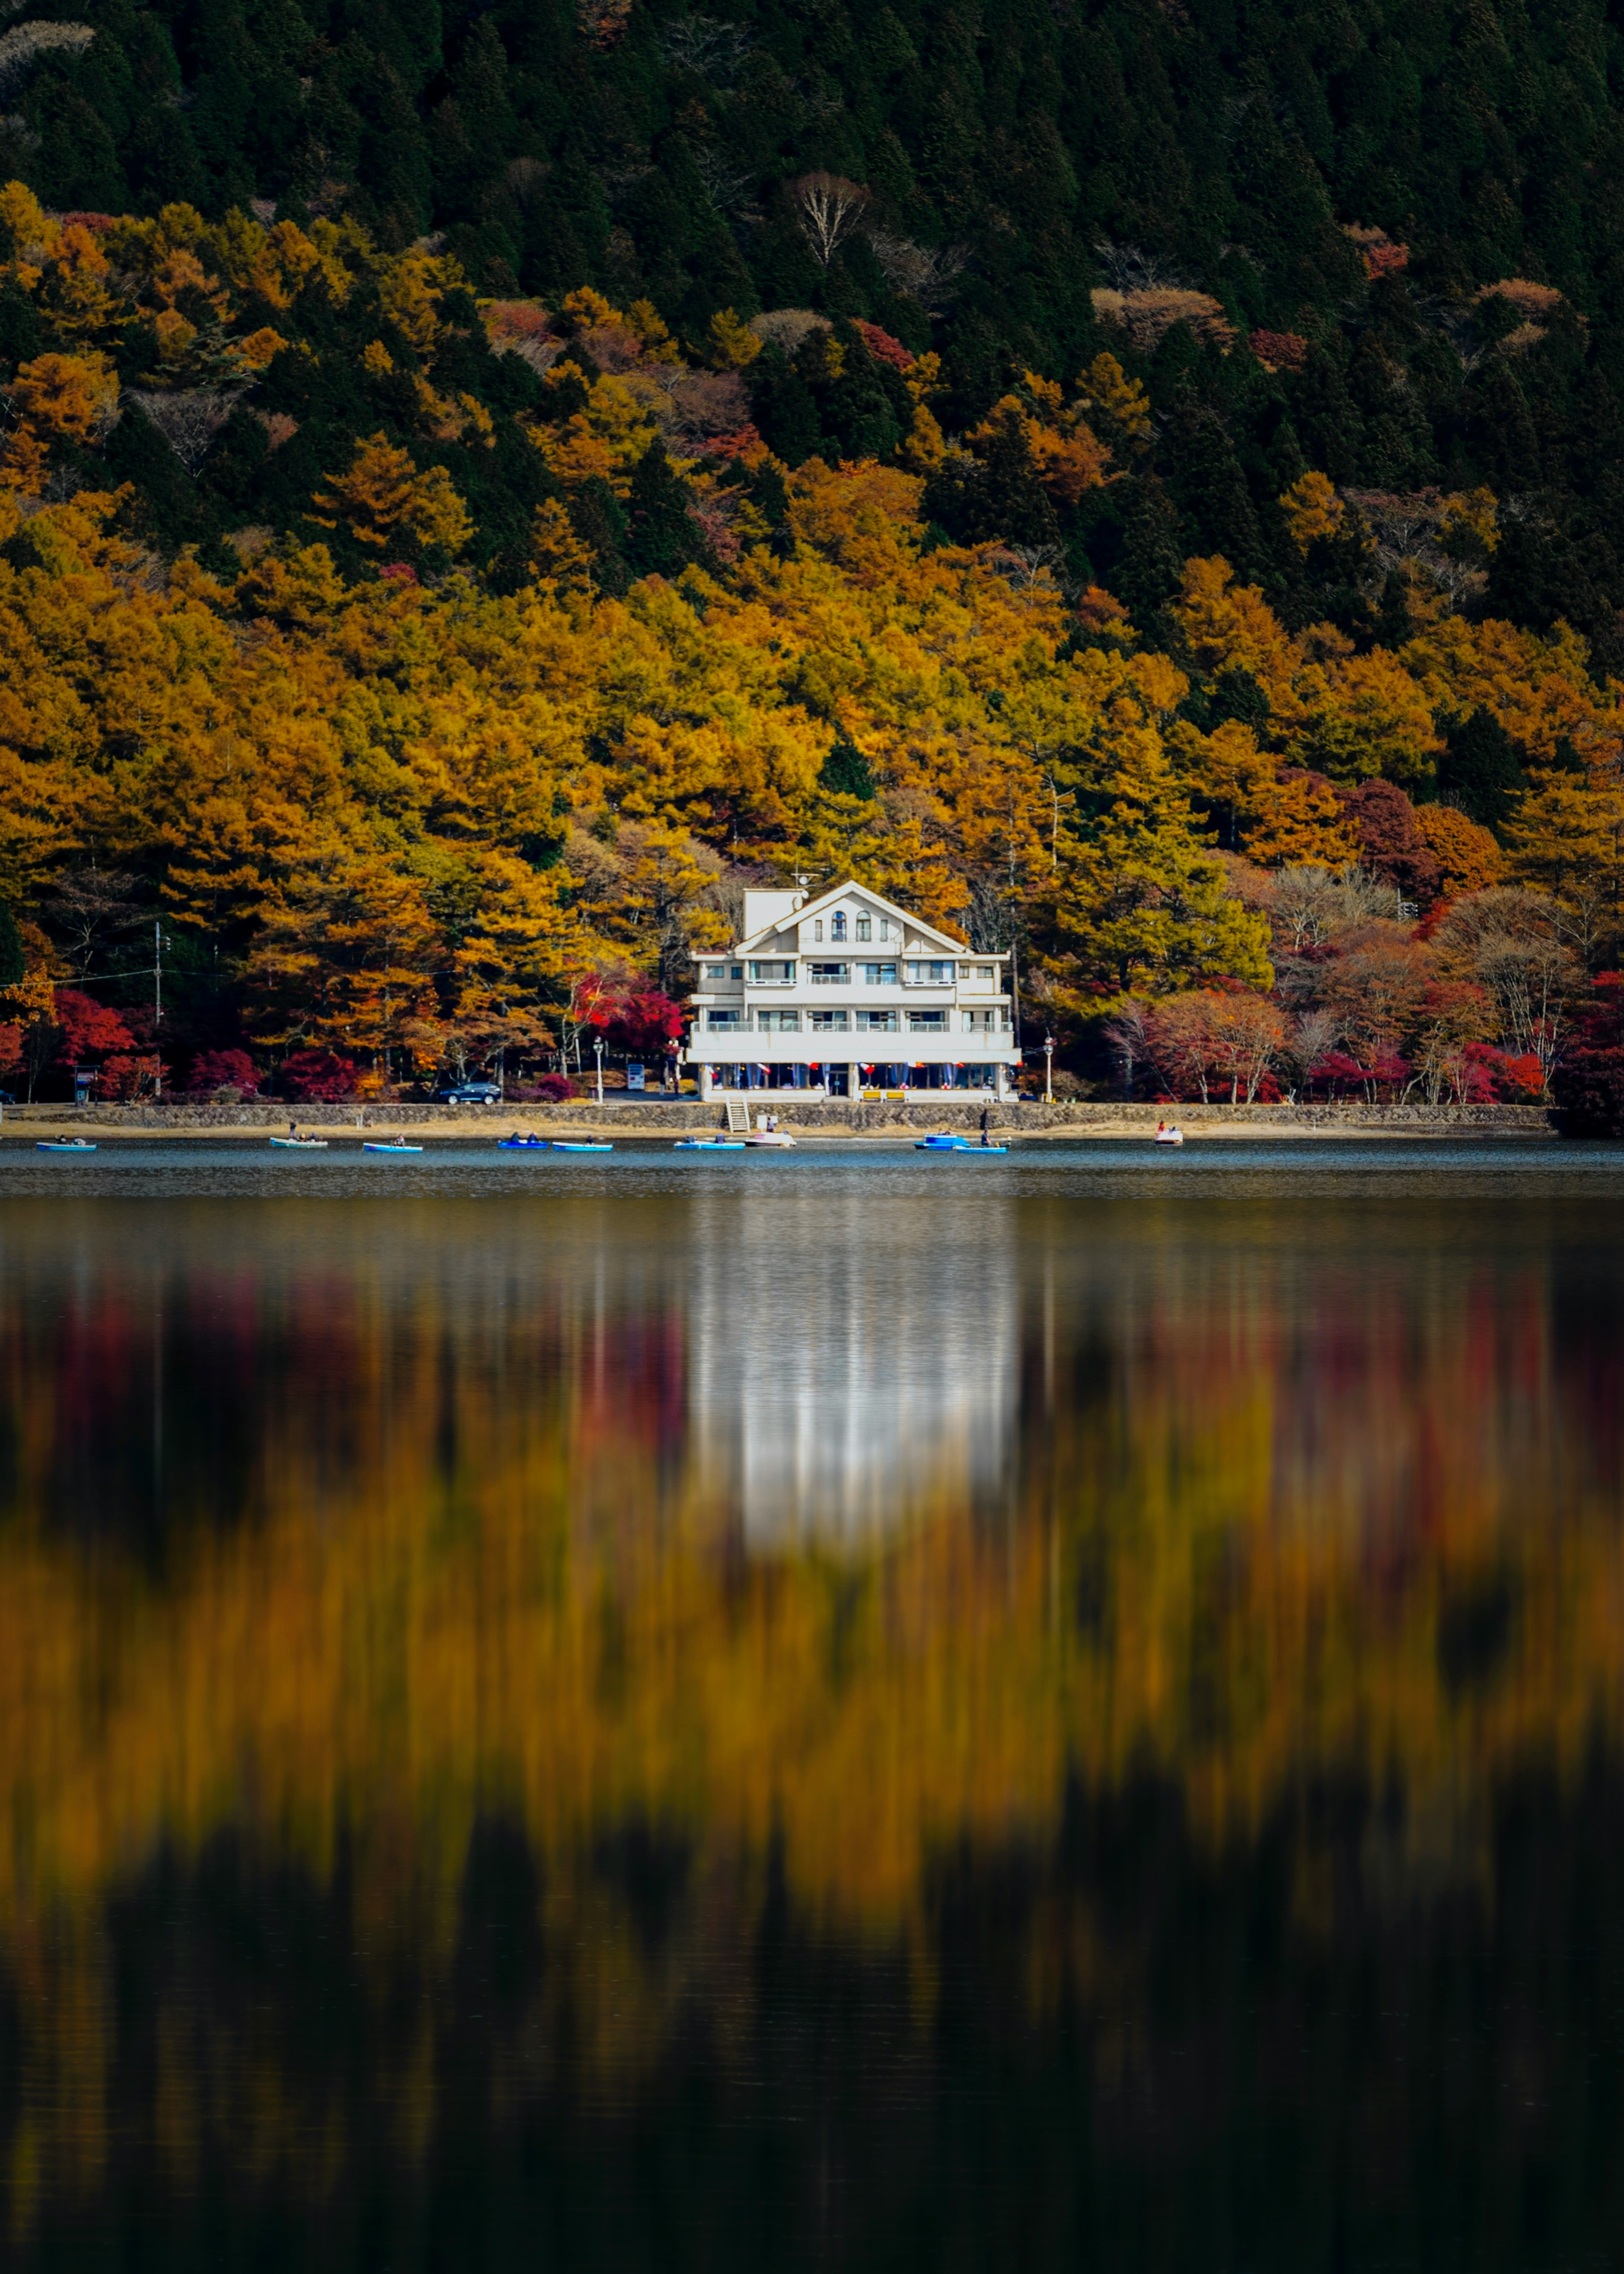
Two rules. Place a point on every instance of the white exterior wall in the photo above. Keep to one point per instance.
(853, 955)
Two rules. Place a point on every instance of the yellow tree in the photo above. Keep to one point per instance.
(1142, 908)
(384, 500)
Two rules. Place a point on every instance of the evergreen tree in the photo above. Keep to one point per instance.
(13, 962)
(662, 536)
(1481, 771)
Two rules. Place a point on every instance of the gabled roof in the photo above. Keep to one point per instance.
(931, 934)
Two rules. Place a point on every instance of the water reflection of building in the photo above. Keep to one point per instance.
(849, 1367)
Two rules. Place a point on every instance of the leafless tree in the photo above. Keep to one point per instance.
(828, 208)
(1130, 1043)
(1511, 942)
(190, 421)
(1132, 269)
(787, 328)
(1027, 564)
(1309, 1039)
(1310, 905)
(928, 274)
(21, 48)
(710, 50)
(86, 908)
(727, 189)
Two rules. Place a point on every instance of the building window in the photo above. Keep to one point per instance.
(985, 972)
(884, 927)
(715, 972)
(773, 974)
(778, 1022)
(930, 975)
(876, 1022)
(865, 927)
(879, 974)
(826, 1023)
(837, 929)
(817, 928)
(716, 1019)
(735, 971)
(928, 1022)
(828, 974)
(977, 1022)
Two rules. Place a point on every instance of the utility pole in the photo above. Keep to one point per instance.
(157, 976)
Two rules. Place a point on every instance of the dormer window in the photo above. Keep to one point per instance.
(837, 929)
(865, 929)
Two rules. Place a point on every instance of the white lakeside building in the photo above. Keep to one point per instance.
(846, 992)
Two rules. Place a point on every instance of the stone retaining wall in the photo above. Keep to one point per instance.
(834, 1115)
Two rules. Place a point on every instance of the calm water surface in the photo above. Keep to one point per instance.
(846, 1711)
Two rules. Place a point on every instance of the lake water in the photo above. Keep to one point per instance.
(840, 1711)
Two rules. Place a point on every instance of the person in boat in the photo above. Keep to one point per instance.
(293, 1129)
(1162, 1128)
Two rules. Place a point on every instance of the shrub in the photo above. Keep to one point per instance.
(321, 1076)
(1588, 1082)
(212, 1070)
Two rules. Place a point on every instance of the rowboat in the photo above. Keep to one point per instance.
(774, 1140)
(558, 1147)
(955, 1145)
(520, 1144)
(391, 1149)
(62, 1144)
(1168, 1137)
(709, 1145)
(301, 1144)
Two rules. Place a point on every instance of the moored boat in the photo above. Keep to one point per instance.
(391, 1149)
(63, 1145)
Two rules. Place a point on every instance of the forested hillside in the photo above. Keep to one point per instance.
(479, 489)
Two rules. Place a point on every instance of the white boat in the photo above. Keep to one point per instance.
(775, 1139)
(1168, 1137)
(575, 1146)
(302, 1144)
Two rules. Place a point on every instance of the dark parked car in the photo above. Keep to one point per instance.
(471, 1093)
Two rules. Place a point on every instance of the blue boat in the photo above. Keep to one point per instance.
(559, 1147)
(955, 1145)
(391, 1149)
(521, 1144)
(63, 1145)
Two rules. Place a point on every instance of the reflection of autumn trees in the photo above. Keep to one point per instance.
(1288, 1511)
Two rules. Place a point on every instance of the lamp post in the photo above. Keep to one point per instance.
(1049, 1069)
(597, 1053)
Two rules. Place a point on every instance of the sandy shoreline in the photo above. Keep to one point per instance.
(23, 1136)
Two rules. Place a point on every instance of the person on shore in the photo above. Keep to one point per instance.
(293, 1129)
(986, 1126)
